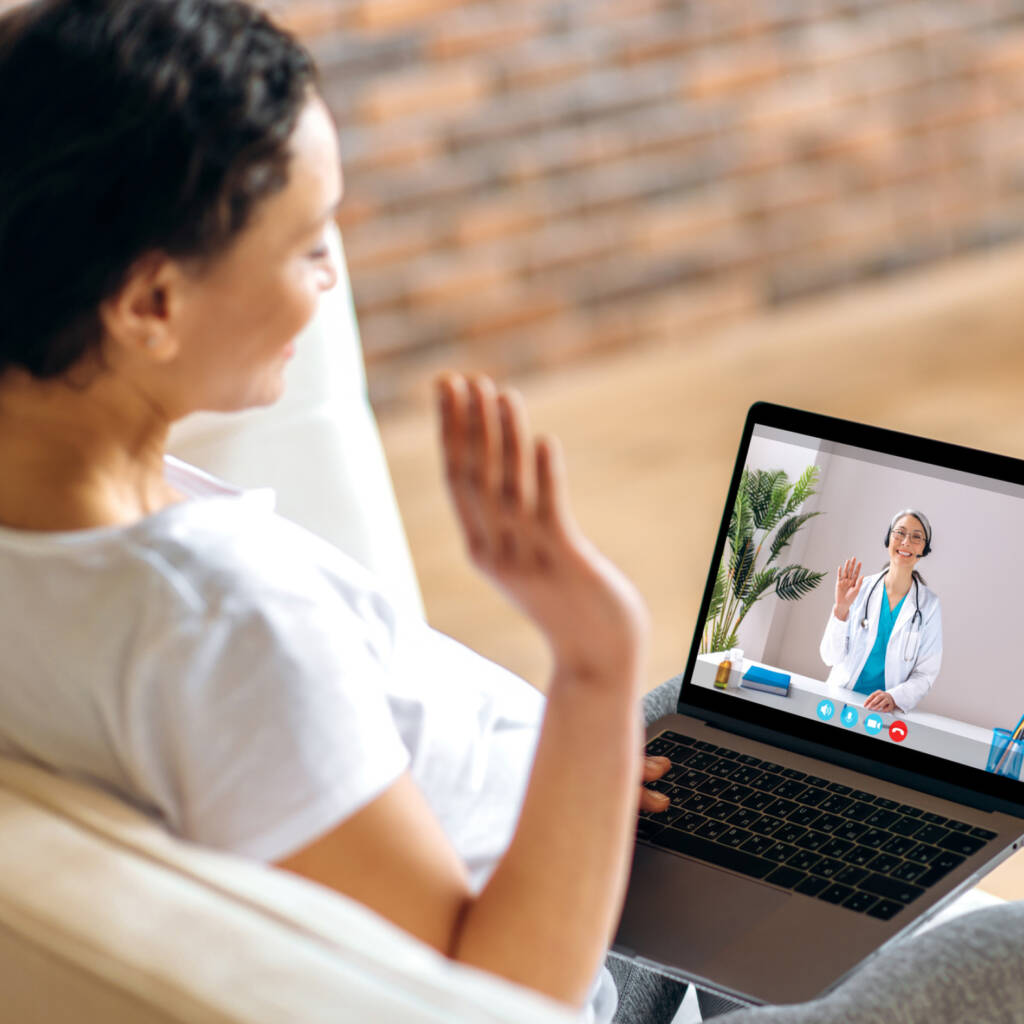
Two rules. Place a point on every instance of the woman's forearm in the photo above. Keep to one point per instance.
(548, 912)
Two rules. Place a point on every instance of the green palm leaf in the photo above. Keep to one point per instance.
(740, 566)
(768, 488)
(803, 488)
(787, 531)
(795, 582)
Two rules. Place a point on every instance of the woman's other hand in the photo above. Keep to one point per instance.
(848, 583)
(511, 499)
(651, 800)
(880, 701)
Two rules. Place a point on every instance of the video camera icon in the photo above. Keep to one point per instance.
(873, 724)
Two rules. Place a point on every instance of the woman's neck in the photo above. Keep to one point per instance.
(78, 457)
(898, 580)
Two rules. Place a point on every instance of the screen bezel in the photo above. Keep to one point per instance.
(805, 735)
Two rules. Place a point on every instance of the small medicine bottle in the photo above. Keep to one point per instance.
(722, 675)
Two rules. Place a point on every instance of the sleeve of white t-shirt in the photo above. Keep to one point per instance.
(259, 721)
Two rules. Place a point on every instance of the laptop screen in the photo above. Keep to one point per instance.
(866, 588)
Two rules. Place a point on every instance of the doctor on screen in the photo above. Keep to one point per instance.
(884, 636)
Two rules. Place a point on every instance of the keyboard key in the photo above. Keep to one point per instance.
(890, 888)
(803, 815)
(790, 789)
(828, 822)
(683, 775)
(698, 802)
(758, 801)
(732, 755)
(828, 867)
(922, 853)
(744, 818)
(771, 767)
(768, 782)
(835, 893)
(813, 796)
(860, 855)
(835, 804)
(851, 875)
(721, 766)
(958, 826)
(885, 909)
(859, 810)
(947, 861)
(850, 830)
(955, 842)
(880, 818)
(934, 819)
(781, 808)
(933, 834)
(898, 845)
(874, 838)
(704, 745)
(734, 836)
(838, 787)
(786, 877)
(816, 780)
(689, 821)
(735, 794)
(678, 737)
(803, 860)
(757, 845)
(907, 826)
(745, 774)
(700, 760)
(711, 829)
(836, 847)
(790, 833)
(713, 785)
(860, 901)
(811, 885)
(715, 853)
(884, 863)
(908, 871)
(889, 805)
(647, 829)
(813, 841)
(766, 825)
(860, 794)
(721, 811)
(982, 833)
(909, 812)
(793, 773)
(779, 852)
(749, 759)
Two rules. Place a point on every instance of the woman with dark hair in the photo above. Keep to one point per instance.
(167, 175)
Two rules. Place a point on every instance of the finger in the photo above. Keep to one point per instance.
(453, 394)
(515, 490)
(655, 767)
(652, 801)
(483, 449)
(552, 492)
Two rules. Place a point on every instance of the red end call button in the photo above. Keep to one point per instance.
(898, 731)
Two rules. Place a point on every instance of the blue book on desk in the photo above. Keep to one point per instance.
(765, 680)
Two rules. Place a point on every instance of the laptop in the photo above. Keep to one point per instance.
(806, 833)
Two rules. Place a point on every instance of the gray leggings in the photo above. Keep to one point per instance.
(969, 969)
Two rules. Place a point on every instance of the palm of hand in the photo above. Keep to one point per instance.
(511, 501)
(848, 583)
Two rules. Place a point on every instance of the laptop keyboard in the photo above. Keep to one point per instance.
(801, 832)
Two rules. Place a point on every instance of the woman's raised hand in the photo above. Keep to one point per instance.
(511, 500)
(848, 582)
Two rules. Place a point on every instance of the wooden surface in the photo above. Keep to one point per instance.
(650, 438)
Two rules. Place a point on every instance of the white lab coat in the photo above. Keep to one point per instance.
(846, 645)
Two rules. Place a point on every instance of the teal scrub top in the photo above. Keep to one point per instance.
(872, 676)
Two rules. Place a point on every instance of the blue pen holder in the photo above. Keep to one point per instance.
(1009, 761)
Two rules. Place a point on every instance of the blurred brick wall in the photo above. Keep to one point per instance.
(532, 181)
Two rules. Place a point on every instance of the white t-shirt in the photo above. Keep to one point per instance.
(245, 682)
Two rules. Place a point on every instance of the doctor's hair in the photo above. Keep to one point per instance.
(130, 127)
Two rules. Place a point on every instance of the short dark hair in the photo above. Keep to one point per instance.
(129, 126)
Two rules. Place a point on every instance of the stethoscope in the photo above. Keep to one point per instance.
(909, 652)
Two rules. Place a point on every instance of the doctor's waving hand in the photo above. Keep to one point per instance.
(884, 636)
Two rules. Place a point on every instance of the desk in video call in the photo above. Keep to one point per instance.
(931, 734)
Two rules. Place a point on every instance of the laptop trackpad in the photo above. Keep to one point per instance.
(681, 912)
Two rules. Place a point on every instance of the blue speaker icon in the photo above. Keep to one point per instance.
(826, 710)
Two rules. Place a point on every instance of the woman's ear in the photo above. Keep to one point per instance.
(137, 320)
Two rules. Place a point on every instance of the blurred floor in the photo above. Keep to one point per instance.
(650, 438)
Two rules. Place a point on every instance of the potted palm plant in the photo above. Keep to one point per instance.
(765, 518)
